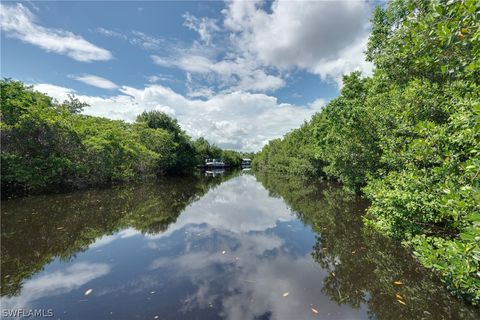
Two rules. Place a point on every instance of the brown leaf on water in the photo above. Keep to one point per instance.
(285, 294)
(402, 302)
(250, 281)
(398, 282)
(398, 296)
(314, 310)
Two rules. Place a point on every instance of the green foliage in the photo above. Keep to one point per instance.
(184, 158)
(74, 105)
(204, 150)
(48, 145)
(233, 158)
(434, 40)
(113, 150)
(408, 137)
(348, 141)
(294, 154)
(39, 147)
(160, 120)
(162, 143)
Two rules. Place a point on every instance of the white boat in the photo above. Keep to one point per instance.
(215, 163)
(246, 163)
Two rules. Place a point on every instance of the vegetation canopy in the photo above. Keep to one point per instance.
(48, 145)
(408, 136)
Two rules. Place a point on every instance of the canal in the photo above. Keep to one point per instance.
(229, 246)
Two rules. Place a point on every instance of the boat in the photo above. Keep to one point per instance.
(246, 163)
(215, 163)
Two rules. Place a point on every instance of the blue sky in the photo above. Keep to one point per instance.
(238, 73)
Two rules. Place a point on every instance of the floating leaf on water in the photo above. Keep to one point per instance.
(398, 282)
(88, 292)
(286, 294)
(250, 281)
(398, 296)
(60, 228)
(314, 310)
(400, 301)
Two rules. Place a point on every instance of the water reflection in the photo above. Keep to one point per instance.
(214, 172)
(275, 248)
(36, 230)
(58, 282)
(361, 264)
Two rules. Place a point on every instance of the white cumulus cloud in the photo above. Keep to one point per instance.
(229, 74)
(324, 37)
(19, 22)
(96, 81)
(237, 120)
(253, 48)
(204, 26)
(58, 92)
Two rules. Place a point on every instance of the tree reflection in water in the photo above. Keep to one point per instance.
(363, 264)
(35, 230)
(232, 253)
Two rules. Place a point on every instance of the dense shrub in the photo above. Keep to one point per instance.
(408, 137)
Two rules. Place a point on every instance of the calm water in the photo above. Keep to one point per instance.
(226, 246)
